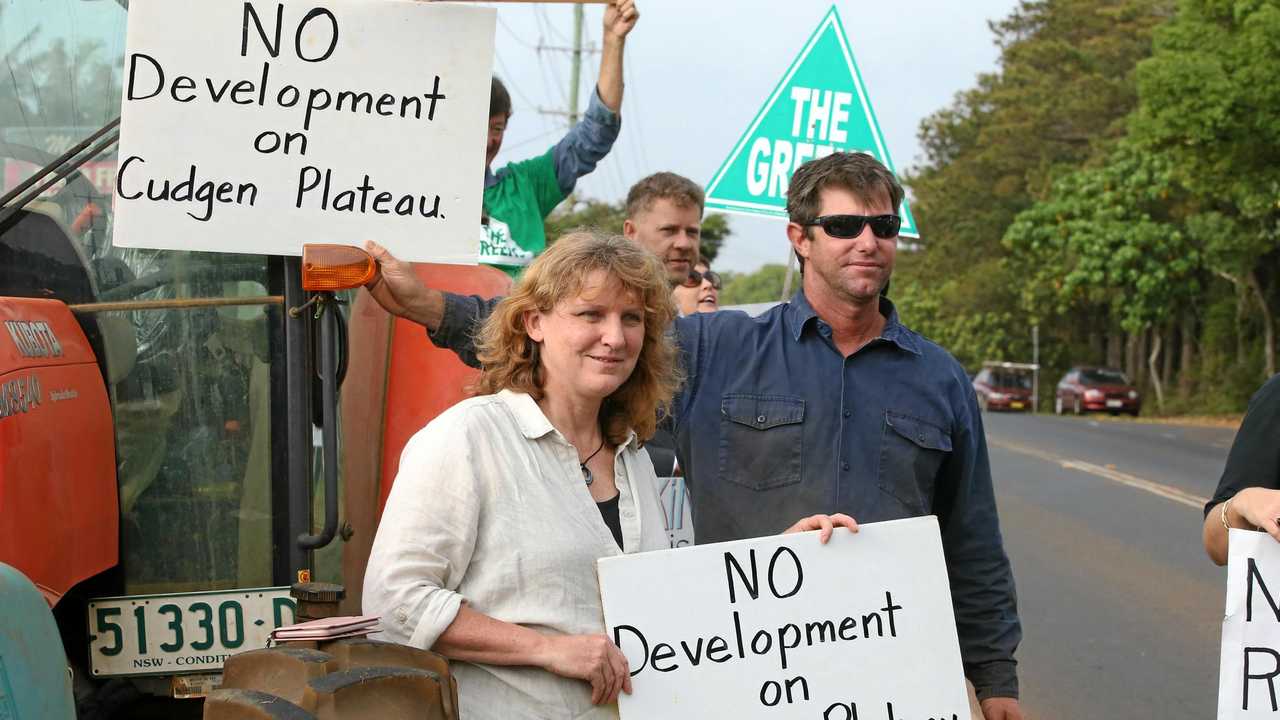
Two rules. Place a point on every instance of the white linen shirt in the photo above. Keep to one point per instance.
(489, 508)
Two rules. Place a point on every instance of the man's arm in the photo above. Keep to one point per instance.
(982, 588)
(451, 320)
(619, 20)
(588, 142)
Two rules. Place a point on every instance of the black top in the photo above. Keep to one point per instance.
(1254, 460)
(609, 511)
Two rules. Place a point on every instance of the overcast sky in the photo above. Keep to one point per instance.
(699, 70)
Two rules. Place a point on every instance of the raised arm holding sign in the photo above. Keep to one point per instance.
(521, 194)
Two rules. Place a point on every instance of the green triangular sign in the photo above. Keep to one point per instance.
(820, 106)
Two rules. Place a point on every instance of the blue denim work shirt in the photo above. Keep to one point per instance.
(775, 424)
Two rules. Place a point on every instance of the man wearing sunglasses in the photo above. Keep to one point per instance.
(829, 404)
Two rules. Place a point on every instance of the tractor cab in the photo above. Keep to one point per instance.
(174, 453)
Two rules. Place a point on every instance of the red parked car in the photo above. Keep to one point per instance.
(1085, 389)
(1003, 389)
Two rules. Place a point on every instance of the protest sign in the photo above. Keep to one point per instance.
(1250, 667)
(819, 107)
(255, 127)
(861, 628)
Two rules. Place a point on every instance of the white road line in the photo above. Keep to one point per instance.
(1167, 492)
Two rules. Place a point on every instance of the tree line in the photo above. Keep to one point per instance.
(1116, 182)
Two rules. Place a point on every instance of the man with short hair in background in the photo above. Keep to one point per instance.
(829, 404)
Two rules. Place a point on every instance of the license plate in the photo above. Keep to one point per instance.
(183, 632)
(1115, 403)
(1015, 405)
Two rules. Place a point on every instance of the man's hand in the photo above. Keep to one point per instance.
(619, 19)
(826, 523)
(399, 291)
(1001, 708)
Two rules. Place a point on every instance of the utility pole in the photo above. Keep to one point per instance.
(576, 51)
(575, 74)
(1035, 360)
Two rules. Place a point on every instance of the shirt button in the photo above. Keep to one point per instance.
(844, 465)
(847, 413)
(760, 419)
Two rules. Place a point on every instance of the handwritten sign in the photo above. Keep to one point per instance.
(1250, 670)
(257, 126)
(861, 628)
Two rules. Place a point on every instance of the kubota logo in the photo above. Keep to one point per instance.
(34, 339)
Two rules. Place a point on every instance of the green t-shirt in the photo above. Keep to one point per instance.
(526, 192)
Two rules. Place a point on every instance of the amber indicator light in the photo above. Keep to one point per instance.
(336, 267)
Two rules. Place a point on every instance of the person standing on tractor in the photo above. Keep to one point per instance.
(518, 196)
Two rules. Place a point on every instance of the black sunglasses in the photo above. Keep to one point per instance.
(695, 279)
(884, 227)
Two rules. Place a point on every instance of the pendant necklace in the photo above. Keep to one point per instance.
(586, 473)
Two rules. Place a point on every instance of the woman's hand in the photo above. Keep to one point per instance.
(1256, 507)
(593, 658)
(825, 523)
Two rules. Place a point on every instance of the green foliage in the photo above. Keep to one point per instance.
(603, 216)
(715, 230)
(1103, 237)
(1211, 105)
(1115, 182)
(763, 285)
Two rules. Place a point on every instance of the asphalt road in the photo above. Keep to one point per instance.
(1121, 608)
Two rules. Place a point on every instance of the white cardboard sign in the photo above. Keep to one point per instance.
(1250, 670)
(785, 627)
(255, 127)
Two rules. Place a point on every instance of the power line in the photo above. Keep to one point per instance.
(544, 66)
(532, 140)
(628, 67)
(515, 36)
(542, 12)
(531, 105)
(514, 87)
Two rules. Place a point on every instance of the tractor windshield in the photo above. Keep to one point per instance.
(190, 377)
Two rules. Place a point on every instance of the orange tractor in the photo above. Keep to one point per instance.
(182, 435)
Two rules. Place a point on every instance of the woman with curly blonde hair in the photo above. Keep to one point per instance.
(487, 549)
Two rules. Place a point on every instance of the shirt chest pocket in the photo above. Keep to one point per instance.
(761, 440)
(911, 453)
